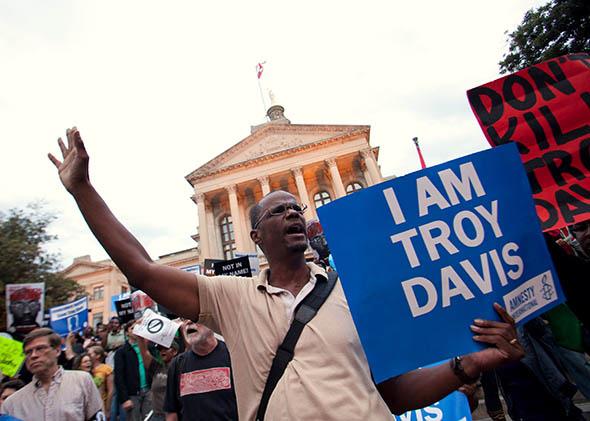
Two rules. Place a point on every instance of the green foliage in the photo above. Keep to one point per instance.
(557, 28)
(24, 259)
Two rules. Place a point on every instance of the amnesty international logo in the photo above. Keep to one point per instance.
(547, 289)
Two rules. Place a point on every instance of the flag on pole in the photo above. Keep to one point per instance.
(260, 69)
(422, 163)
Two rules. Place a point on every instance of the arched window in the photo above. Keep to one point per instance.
(352, 187)
(321, 198)
(228, 240)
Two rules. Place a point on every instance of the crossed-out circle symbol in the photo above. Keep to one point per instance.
(155, 325)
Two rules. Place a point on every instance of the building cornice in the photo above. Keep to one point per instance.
(205, 172)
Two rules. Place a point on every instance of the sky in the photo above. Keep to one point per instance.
(159, 88)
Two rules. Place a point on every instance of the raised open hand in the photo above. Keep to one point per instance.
(73, 171)
(502, 338)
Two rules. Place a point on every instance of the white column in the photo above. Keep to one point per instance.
(214, 244)
(203, 227)
(236, 217)
(336, 180)
(371, 164)
(300, 182)
(265, 184)
(248, 243)
(366, 174)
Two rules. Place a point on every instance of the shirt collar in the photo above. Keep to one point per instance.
(314, 272)
(57, 377)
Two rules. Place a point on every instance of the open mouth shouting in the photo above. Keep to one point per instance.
(296, 229)
(191, 329)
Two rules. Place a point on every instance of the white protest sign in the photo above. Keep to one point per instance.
(156, 328)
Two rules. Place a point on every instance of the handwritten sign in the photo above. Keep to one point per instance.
(11, 356)
(545, 110)
(156, 328)
(422, 255)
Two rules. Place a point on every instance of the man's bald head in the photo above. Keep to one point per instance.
(258, 208)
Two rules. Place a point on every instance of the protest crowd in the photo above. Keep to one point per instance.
(284, 346)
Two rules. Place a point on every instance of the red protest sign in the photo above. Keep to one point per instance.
(545, 109)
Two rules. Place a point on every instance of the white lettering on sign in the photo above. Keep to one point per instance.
(467, 228)
(454, 185)
(437, 234)
(394, 207)
(67, 310)
(455, 282)
(432, 240)
(428, 195)
(430, 413)
(406, 239)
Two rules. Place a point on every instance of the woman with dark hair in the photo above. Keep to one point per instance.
(82, 362)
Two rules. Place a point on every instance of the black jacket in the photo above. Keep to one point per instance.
(127, 373)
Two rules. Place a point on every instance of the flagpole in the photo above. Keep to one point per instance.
(262, 97)
(422, 163)
(259, 70)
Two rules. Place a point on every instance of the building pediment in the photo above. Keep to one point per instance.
(83, 267)
(272, 140)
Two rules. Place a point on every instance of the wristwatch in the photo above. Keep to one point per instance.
(460, 373)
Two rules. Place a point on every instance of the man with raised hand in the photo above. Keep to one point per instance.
(329, 377)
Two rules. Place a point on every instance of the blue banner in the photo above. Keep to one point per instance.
(454, 407)
(422, 255)
(70, 317)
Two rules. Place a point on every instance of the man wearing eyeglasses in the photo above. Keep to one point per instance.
(329, 377)
(54, 393)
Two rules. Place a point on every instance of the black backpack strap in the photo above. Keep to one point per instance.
(305, 311)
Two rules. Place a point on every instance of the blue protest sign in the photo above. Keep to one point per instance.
(453, 407)
(70, 317)
(422, 255)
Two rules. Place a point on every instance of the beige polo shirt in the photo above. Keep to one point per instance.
(72, 396)
(328, 378)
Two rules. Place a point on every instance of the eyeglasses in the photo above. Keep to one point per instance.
(40, 349)
(280, 210)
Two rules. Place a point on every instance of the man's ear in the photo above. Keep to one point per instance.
(255, 236)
